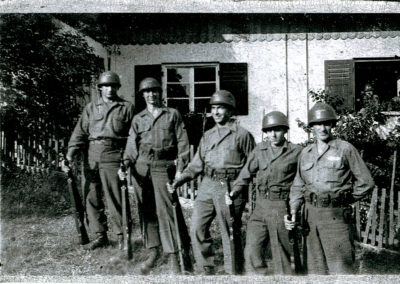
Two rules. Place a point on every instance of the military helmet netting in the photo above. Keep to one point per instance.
(149, 83)
(321, 112)
(223, 97)
(274, 119)
(109, 78)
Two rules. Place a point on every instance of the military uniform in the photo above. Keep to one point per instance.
(153, 146)
(275, 174)
(329, 183)
(104, 126)
(222, 153)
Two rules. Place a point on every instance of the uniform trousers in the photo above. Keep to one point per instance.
(330, 248)
(150, 179)
(210, 203)
(103, 179)
(266, 225)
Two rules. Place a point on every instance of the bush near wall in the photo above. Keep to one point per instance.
(33, 194)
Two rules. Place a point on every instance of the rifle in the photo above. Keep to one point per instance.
(126, 215)
(132, 183)
(178, 235)
(295, 260)
(230, 213)
(78, 210)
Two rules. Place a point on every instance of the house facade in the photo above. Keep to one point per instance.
(268, 61)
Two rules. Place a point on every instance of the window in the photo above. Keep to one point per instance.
(189, 88)
(352, 79)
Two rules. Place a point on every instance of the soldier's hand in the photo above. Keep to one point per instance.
(235, 192)
(122, 174)
(170, 188)
(127, 163)
(228, 200)
(178, 174)
(180, 181)
(290, 223)
(65, 166)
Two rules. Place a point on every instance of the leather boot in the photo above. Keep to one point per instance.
(173, 264)
(100, 241)
(150, 262)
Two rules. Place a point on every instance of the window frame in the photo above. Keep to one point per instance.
(191, 66)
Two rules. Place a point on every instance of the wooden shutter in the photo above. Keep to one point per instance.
(141, 72)
(339, 80)
(233, 77)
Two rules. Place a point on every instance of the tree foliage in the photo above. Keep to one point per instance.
(43, 71)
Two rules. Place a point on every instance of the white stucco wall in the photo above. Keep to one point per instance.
(267, 78)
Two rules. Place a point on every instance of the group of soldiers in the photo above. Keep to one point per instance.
(316, 184)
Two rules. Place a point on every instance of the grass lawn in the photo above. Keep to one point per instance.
(43, 247)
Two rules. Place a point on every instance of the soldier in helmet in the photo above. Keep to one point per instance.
(331, 176)
(103, 128)
(274, 162)
(222, 152)
(157, 151)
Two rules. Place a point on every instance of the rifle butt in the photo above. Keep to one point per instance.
(126, 220)
(178, 238)
(77, 210)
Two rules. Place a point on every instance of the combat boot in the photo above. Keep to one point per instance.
(174, 264)
(100, 241)
(150, 262)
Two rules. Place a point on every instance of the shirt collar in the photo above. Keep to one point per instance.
(118, 101)
(266, 144)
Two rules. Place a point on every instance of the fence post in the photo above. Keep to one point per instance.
(382, 218)
(391, 201)
(371, 215)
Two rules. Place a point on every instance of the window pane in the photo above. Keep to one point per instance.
(200, 104)
(178, 75)
(178, 91)
(202, 74)
(181, 105)
(204, 90)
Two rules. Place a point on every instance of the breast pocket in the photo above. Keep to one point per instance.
(96, 122)
(306, 171)
(167, 134)
(120, 123)
(145, 127)
(333, 171)
(232, 156)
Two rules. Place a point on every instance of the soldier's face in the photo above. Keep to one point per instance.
(109, 91)
(276, 136)
(152, 96)
(323, 130)
(221, 114)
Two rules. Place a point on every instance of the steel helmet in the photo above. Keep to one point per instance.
(274, 119)
(321, 112)
(109, 78)
(223, 97)
(149, 83)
